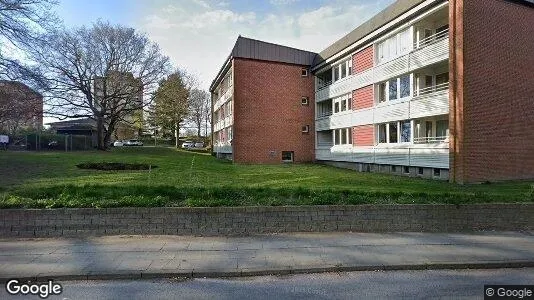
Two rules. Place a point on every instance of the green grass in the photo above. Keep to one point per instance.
(51, 179)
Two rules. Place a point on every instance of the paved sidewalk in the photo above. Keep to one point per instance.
(178, 256)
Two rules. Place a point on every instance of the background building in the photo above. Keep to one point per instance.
(21, 108)
(263, 104)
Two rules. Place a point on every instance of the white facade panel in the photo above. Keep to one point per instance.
(410, 155)
(322, 124)
(430, 105)
(223, 148)
(429, 55)
(392, 111)
(363, 117)
(341, 120)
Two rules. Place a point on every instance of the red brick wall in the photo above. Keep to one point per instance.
(268, 112)
(493, 92)
(363, 98)
(363, 60)
(363, 135)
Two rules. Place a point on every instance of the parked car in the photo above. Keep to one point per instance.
(53, 145)
(133, 143)
(199, 145)
(118, 143)
(188, 144)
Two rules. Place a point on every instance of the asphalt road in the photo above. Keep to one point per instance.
(457, 284)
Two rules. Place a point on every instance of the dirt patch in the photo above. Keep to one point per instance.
(111, 166)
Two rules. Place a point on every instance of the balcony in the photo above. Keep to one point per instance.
(431, 139)
(435, 49)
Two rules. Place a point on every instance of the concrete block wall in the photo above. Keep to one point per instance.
(257, 220)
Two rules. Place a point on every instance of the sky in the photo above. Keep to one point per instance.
(198, 35)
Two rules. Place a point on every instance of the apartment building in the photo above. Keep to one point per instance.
(263, 104)
(432, 88)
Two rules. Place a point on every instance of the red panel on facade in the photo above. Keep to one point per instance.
(363, 60)
(363, 135)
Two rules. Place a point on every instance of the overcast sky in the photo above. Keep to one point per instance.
(198, 35)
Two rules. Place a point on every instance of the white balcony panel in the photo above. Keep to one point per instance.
(323, 154)
(430, 157)
(431, 54)
(322, 124)
(342, 153)
(363, 155)
(392, 111)
(341, 120)
(362, 117)
(391, 69)
(392, 156)
(223, 148)
(430, 105)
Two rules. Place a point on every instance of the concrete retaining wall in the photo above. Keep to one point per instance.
(253, 220)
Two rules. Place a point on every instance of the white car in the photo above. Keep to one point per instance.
(133, 143)
(188, 144)
(118, 143)
(199, 145)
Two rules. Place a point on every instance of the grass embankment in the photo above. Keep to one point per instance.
(51, 179)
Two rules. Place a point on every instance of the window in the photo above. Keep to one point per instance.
(304, 101)
(405, 86)
(287, 156)
(406, 129)
(394, 46)
(382, 133)
(382, 92)
(393, 89)
(393, 132)
(336, 107)
(428, 126)
(350, 66)
(406, 170)
(304, 72)
(230, 136)
(420, 171)
(342, 136)
(305, 128)
(442, 78)
(349, 103)
(437, 172)
(343, 105)
(343, 70)
(442, 129)
(336, 73)
(393, 169)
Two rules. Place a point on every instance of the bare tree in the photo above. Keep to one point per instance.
(170, 106)
(198, 100)
(22, 23)
(107, 73)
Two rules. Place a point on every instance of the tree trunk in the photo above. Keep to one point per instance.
(176, 133)
(199, 127)
(100, 133)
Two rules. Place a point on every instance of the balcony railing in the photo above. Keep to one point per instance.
(430, 139)
(438, 36)
(324, 114)
(325, 144)
(433, 89)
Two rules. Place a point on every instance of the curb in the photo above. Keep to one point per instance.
(128, 275)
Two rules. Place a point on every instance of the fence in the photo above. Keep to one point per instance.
(50, 142)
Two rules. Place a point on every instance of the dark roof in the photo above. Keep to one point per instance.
(382, 18)
(85, 122)
(260, 50)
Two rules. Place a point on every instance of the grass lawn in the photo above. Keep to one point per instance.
(51, 179)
